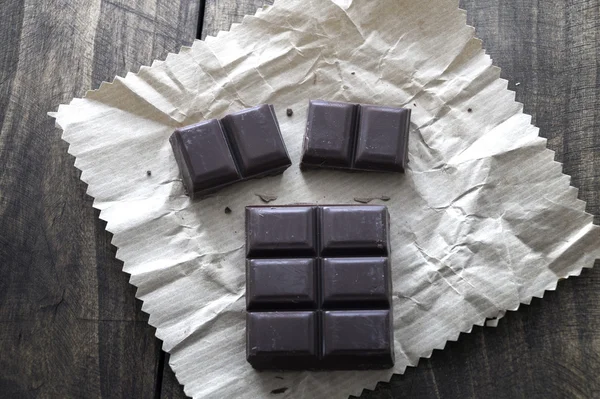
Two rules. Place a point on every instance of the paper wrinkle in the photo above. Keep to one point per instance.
(482, 221)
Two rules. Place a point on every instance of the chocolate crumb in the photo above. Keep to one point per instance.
(352, 73)
(470, 110)
(366, 200)
(279, 390)
(227, 210)
(363, 200)
(266, 198)
(148, 173)
(289, 112)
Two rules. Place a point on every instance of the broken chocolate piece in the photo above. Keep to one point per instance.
(241, 146)
(318, 288)
(356, 137)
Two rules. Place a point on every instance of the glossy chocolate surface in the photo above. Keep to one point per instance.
(318, 288)
(356, 137)
(241, 146)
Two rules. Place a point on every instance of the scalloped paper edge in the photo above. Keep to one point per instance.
(105, 85)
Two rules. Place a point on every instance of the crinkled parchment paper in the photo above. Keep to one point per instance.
(482, 221)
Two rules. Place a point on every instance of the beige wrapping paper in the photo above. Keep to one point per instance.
(482, 221)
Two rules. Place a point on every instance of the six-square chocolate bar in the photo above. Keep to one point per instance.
(356, 137)
(216, 153)
(318, 287)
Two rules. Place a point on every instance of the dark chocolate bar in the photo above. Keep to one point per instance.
(318, 288)
(241, 146)
(356, 137)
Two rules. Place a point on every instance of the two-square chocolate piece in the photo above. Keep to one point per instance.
(216, 153)
(356, 137)
(318, 288)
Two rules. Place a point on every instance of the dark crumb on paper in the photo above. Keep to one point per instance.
(352, 73)
(363, 200)
(470, 110)
(415, 104)
(266, 198)
(289, 112)
(366, 200)
(279, 390)
(148, 173)
(227, 210)
(279, 377)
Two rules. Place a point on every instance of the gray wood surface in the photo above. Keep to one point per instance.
(69, 322)
(70, 325)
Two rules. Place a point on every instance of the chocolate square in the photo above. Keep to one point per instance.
(327, 141)
(281, 283)
(282, 340)
(256, 140)
(215, 168)
(382, 138)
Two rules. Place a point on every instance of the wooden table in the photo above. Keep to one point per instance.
(70, 325)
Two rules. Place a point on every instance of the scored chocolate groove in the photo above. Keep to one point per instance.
(217, 153)
(318, 287)
(356, 137)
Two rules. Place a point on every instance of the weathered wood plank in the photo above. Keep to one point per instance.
(71, 326)
(550, 54)
(220, 14)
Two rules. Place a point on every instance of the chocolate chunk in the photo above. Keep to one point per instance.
(318, 287)
(356, 137)
(283, 283)
(289, 112)
(355, 283)
(282, 340)
(280, 231)
(350, 333)
(382, 138)
(204, 157)
(354, 230)
(328, 142)
(256, 140)
(244, 145)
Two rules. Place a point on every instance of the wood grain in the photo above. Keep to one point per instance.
(220, 14)
(70, 324)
